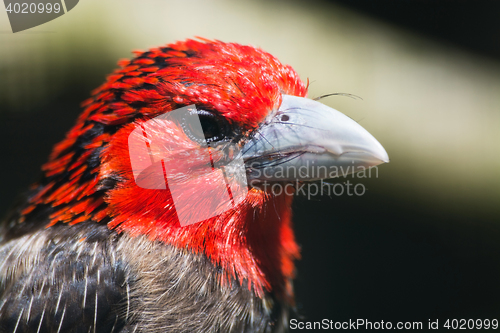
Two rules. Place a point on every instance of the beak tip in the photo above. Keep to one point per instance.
(385, 158)
(375, 153)
(380, 153)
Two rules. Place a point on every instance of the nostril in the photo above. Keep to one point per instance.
(285, 117)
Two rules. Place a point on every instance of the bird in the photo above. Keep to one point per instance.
(105, 242)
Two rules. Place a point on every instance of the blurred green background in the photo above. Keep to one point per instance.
(424, 241)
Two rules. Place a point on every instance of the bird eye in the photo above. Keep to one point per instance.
(214, 128)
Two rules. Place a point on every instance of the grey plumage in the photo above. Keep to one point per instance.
(86, 278)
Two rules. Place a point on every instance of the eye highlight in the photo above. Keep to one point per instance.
(214, 128)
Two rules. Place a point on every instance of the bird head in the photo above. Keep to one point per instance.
(251, 108)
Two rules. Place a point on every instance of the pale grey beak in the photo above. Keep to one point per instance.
(307, 140)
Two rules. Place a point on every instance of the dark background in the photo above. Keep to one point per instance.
(373, 257)
(397, 260)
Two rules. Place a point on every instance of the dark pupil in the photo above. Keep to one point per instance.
(210, 127)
